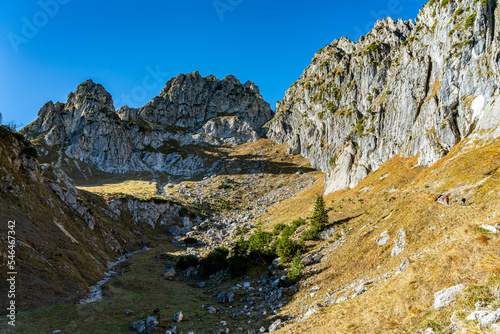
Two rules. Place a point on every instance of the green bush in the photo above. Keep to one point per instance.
(372, 48)
(278, 228)
(311, 234)
(286, 248)
(215, 261)
(224, 185)
(288, 231)
(239, 262)
(4, 131)
(319, 219)
(470, 20)
(296, 269)
(298, 222)
(30, 151)
(260, 246)
(187, 261)
(190, 241)
(19, 136)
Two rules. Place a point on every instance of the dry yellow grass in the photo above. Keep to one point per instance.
(401, 195)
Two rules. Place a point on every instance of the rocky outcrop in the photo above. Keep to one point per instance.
(190, 110)
(406, 88)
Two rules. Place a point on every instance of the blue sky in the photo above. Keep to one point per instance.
(132, 48)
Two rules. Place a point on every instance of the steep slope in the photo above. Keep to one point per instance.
(64, 237)
(406, 88)
(174, 133)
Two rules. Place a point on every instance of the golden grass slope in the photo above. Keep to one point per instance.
(446, 245)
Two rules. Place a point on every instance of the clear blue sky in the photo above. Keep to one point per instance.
(48, 47)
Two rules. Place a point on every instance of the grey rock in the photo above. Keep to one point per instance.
(275, 326)
(489, 319)
(312, 259)
(399, 243)
(491, 228)
(351, 110)
(190, 110)
(175, 230)
(169, 273)
(225, 297)
(327, 234)
(191, 271)
(151, 322)
(404, 265)
(139, 326)
(477, 315)
(382, 238)
(57, 331)
(212, 310)
(447, 296)
(178, 317)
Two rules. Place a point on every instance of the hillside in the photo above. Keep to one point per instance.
(354, 285)
(181, 216)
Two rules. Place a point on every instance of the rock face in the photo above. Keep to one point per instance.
(190, 110)
(447, 296)
(406, 88)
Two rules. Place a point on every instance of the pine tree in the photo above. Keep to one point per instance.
(319, 219)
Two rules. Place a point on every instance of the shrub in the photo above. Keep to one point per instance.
(470, 20)
(259, 245)
(286, 248)
(332, 160)
(4, 131)
(311, 234)
(215, 261)
(19, 136)
(30, 151)
(372, 48)
(319, 218)
(190, 241)
(239, 261)
(224, 185)
(278, 228)
(298, 222)
(288, 231)
(187, 261)
(296, 269)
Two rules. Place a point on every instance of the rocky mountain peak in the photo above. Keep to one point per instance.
(190, 110)
(405, 88)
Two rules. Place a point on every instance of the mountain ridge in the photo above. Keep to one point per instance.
(350, 110)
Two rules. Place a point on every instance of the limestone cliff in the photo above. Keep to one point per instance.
(405, 88)
(190, 110)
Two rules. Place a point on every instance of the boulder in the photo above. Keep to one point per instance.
(399, 243)
(447, 296)
(275, 326)
(382, 238)
(169, 273)
(178, 317)
(139, 326)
